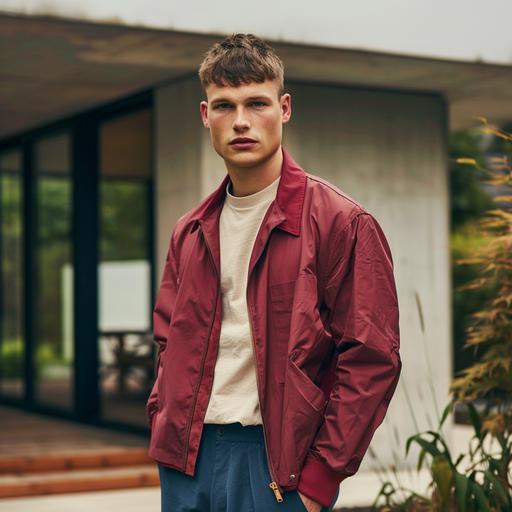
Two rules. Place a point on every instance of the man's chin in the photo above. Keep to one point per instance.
(245, 158)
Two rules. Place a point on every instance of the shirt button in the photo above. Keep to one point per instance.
(292, 477)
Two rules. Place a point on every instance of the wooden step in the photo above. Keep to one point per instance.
(104, 458)
(78, 480)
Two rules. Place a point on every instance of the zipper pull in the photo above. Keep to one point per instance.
(275, 488)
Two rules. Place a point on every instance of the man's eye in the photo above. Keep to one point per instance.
(222, 106)
(258, 103)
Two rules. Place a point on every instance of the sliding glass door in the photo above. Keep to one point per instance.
(76, 252)
(124, 344)
(53, 279)
(12, 340)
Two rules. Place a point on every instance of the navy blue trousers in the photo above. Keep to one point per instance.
(231, 476)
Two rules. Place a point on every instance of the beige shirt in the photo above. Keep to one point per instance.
(234, 395)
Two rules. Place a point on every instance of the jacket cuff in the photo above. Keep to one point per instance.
(319, 482)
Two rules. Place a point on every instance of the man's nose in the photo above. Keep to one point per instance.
(241, 121)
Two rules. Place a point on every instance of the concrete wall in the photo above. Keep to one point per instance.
(388, 151)
(186, 169)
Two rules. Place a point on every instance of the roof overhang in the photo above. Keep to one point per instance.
(52, 67)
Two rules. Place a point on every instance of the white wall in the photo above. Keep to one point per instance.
(181, 146)
(385, 149)
(465, 30)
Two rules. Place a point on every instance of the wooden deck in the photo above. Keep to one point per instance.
(41, 455)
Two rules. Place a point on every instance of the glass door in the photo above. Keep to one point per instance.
(53, 273)
(124, 282)
(12, 342)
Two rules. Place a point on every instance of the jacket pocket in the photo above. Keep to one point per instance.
(309, 391)
(153, 419)
(304, 406)
(161, 380)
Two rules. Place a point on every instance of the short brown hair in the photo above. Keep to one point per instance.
(241, 59)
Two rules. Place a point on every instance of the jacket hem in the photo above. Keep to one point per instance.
(161, 457)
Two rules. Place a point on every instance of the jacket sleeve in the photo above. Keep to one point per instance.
(162, 312)
(361, 297)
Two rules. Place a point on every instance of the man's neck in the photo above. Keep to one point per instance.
(249, 180)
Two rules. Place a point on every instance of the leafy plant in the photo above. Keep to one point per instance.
(480, 479)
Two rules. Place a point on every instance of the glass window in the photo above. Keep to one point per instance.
(12, 343)
(54, 340)
(125, 342)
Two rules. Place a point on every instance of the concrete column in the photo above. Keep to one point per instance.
(187, 168)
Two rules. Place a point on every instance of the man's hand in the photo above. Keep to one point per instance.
(311, 505)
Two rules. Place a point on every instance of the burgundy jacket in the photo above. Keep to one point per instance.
(323, 312)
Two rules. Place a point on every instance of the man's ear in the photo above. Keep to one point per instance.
(203, 110)
(286, 107)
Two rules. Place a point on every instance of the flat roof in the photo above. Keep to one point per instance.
(51, 67)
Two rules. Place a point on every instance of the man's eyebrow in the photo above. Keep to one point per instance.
(250, 98)
(261, 97)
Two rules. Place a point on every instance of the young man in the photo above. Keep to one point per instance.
(276, 317)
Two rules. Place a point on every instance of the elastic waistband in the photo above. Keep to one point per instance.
(236, 432)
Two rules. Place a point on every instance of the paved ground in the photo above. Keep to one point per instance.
(132, 500)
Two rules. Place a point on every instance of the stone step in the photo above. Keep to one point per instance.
(98, 458)
(78, 480)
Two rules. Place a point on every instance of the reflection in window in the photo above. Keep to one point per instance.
(54, 272)
(125, 342)
(12, 343)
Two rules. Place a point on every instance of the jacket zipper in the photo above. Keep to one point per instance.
(205, 350)
(273, 484)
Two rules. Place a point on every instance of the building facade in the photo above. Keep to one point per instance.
(102, 149)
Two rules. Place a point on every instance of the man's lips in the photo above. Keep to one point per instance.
(242, 140)
(242, 143)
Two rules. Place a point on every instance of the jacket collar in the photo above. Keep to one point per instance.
(289, 197)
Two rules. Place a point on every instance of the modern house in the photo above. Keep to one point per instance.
(102, 149)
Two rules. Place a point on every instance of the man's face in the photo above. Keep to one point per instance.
(251, 113)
